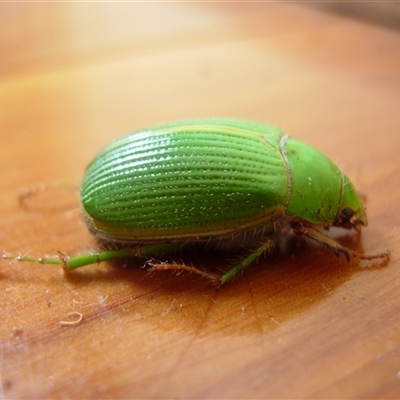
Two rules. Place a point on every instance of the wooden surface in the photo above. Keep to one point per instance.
(75, 76)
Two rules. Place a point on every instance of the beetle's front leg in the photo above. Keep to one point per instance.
(321, 238)
(379, 259)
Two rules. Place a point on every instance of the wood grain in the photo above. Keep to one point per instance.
(302, 323)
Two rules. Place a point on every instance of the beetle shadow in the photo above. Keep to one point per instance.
(277, 288)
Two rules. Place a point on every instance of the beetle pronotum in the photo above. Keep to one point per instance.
(215, 182)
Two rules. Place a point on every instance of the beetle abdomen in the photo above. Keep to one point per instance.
(192, 178)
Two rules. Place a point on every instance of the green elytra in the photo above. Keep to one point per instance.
(208, 178)
(214, 181)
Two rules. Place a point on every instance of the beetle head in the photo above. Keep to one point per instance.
(351, 210)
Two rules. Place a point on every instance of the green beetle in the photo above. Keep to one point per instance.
(216, 182)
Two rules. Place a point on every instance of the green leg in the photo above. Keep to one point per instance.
(70, 263)
(146, 251)
(247, 261)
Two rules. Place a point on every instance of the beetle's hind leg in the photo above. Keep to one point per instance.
(379, 259)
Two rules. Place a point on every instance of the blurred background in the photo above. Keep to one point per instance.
(93, 72)
(386, 13)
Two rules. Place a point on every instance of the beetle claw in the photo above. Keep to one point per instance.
(346, 254)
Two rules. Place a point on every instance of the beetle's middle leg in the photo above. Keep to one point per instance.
(266, 246)
(174, 266)
(163, 266)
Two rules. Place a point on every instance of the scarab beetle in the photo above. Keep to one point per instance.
(213, 182)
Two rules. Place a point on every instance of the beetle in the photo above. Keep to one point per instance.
(217, 182)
